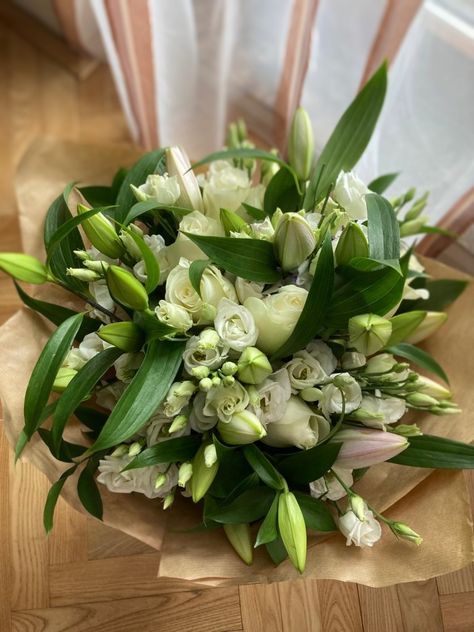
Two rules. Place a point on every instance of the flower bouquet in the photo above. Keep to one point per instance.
(246, 338)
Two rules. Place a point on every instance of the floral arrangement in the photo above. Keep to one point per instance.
(247, 337)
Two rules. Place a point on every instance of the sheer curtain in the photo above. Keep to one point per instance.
(184, 68)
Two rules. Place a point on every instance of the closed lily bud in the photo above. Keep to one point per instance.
(363, 448)
(412, 227)
(294, 240)
(254, 366)
(429, 387)
(243, 428)
(231, 222)
(126, 289)
(23, 267)
(101, 233)
(431, 322)
(184, 474)
(203, 476)
(239, 536)
(292, 529)
(83, 274)
(368, 333)
(301, 144)
(352, 243)
(126, 335)
(402, 530)
(177, 163)
(63, 377)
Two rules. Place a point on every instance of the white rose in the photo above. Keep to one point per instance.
(225, 186)
(299, 427)
(350, 193)
(245, 289)
(235, 325)
(305, 371)
(224, 401)
(197, 224)
(344, 390)
(391, 409)
(157, 245)
(127, 365)
(361, 533)
(273, 396)
(263, 230)
(174, 316)
(321, 352)
(198, 420)
(329, 487)
(200, 353)
(164, 189)
(276, 315)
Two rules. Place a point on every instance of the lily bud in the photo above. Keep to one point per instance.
(203, 476)
(402, 530)
(184, 474)
(412, 227)
(301, 144)
(23, 267)
(363, 448)
(421, 400)
(254, 366)
(292, 529)
(177, 163)
(352, 243)
(431, 322)
(231, 222)
(294, 240)
(126, 289)
(368, 333)
(62, 379)
(126, 335)
(243, 428)
(129, 243)
(429, 387)
(101, 233)
(239, 536)
(83, 275)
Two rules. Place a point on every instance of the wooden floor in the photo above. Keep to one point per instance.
(87, 577)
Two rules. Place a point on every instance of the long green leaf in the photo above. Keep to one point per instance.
(154, 329)
(380, 184)
(443, 292)
(45, 370)
(404, 324)
(383, 231)
(88, 491)
(349, 139)
(251, 259)
(418, 357)
(57, 314)
(436, 452)
(152, 162)
(98, 195)
(309, 465)
(316, 513)
(52, 498)
(143, 395)
(67, 451)
(276, 550)
(80, 388)
(281, 192)
(170, 451)
(140, 208)
(317, 302)
(263, 468)
(251, 505)
(152, 267)
(268, 531)
(196, 270)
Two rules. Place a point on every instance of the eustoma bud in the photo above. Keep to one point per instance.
(101, 233)
(429, 387)
(254, 366)
(177, 163)
(301, 144)
(294, 240)
(203, 475)
(363, 448)
(352, 243)
(431, 322)
(239, 536)
(126, 336)
(23, 267)
(231, 222)
(368, 333)
(292, 529)
(402, 530)
(243, 428)
(126, 289)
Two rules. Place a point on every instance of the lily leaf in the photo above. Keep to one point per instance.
(380, 184)
(436, 452)
(418, 357)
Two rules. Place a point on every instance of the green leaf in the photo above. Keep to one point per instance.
(436, 452)
(306, 466)
(233, 466)
(349, 139)
(418, 357)
(143, 395)
(152, 162)
(98, 195)
(380, 184)
(263, 468)
(316, 513)
(79, 389)
(251, 259)
(317, 302)
(91, 418)
(152, 267)
(382, 230)
(57, 314)
(52, 498)
(404, 324)
(154, 329)
(170, 451)
(88, 492)
(443, 292)
(196, 270)
(268, 531)
(45, 370)
(251, 505)
(276, 550)
(436, 230)
(257, 213)
(67, 451)
(231, 222)
(140, 208)
(63, 257)
(282, 193)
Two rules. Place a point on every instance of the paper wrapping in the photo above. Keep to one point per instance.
(435, 504)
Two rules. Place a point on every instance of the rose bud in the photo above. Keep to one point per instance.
(126, 335)
(294, 240)
(203, 476)
(292, 529)
(178, 165)
(243, 428)
(299, 426)
(362, 448)
(163, 189)
(23, 267)
(101, 233)
(352, 243)
(301, 144)
(253, 366)
(368, 333)
(431, 322)
(126, 289)
(239, 536)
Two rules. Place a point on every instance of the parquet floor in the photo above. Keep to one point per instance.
(85, 576)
